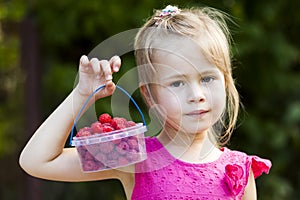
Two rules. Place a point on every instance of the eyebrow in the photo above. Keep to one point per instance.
(213, 71)
(174, 76)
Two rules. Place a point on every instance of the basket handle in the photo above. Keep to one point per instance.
(89, 98)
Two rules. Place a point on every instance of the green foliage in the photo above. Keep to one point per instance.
(59, 80)
(107, 189)
(12, 10)
(10, 77)
(268, 76)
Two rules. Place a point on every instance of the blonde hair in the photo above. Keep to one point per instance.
(196, 23)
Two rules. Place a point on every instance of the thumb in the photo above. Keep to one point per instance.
(109, 87)
(107, 90)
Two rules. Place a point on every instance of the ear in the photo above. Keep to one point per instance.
(145, 91)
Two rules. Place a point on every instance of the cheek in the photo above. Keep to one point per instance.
(169, 101)
(216, 97)
(219, 102)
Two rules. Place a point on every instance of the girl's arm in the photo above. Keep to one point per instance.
(250, 190)
(44, 156)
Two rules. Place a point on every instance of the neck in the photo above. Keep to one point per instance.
(181, 138)
(186, 145)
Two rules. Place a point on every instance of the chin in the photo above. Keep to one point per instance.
(195, 131)
(187, 129)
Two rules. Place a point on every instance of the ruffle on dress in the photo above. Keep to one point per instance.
(260, 165)
(235, 174)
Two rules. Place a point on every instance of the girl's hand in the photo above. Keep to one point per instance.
(93, 73)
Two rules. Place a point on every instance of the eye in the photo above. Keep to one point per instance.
(207, 79)
(177, 84)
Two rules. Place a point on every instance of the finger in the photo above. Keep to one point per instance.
(107, 91)
(96, 65)
(84, 61)
(115, 63)
(105, 66)
(109, 87)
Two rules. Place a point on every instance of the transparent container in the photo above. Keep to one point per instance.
(113, 149)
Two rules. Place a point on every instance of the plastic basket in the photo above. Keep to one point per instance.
(113, 149)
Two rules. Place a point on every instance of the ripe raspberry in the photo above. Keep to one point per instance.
(97, 127)
(118, 123)
(116, 141)
(113, 155)
(130, 124)
(106, 124)
(99, 165)
(88, 156)
(93, 148)
(86, 131)
(122, 148)
(105, 118)
(133, 143)
(108, 129)
(106, 147)
(89, 165)
(101, 157)
(81, 151)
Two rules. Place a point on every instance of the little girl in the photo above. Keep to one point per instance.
(185, 76)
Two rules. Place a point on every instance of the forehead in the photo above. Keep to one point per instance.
(180, 55)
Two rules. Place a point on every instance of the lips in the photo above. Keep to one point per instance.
(197, 113)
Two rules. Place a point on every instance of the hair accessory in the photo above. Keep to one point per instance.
(167, 11)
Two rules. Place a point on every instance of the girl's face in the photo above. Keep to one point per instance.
(190, 89)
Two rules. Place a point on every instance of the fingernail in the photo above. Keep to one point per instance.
(116, 68)
(84, 60)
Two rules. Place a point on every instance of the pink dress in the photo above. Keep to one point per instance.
(161, 176)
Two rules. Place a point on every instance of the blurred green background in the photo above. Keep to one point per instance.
(40, 46)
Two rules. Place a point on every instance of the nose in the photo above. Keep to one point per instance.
(196, 93)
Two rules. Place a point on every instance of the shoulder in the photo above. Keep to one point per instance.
(241, 169)
(252, 162)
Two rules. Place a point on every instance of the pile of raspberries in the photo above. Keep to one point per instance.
(110, 154)
(105, 124)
